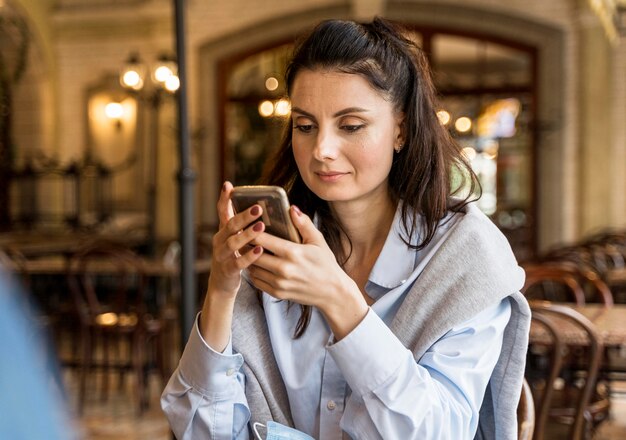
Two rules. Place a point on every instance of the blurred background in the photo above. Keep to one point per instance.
(534, 90)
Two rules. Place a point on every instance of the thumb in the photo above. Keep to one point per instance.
(305, 226)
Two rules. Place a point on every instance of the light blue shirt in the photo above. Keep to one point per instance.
(367, 385)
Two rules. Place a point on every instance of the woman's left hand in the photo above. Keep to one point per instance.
(309, 274)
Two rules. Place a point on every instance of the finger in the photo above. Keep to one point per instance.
(258, 273)
(241, 241)
(269, 263)
(266, 281)
(248, 258)
(276, 245)
(302, 222)
(225, 209)
(241, 220)
(265, 287)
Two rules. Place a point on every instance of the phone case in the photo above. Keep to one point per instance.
(275, 204)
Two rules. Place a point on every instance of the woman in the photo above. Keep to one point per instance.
(399, 314)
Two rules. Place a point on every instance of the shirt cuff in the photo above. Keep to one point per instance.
(206, 370)
(369, 355)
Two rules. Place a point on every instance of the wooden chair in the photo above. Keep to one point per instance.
(542, 371)
(578, 283)
(525, 413)
(597, 256)
(552, 284)
(107, 284)
(577, 399)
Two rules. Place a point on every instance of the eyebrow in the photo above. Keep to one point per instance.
(345, 111)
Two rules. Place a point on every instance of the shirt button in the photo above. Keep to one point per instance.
(331, 405)
(230, 372)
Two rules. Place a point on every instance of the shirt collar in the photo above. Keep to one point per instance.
(396, 260)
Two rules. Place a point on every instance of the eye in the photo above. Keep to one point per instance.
(352, 128)
(303, 128)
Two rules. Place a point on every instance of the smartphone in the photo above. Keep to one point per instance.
(275, 204)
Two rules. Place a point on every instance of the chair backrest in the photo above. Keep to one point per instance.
(105, 269)
(542, 370)
(606, 256)
(552, 283)
(558, 317)
(525, 413)
(593, 288)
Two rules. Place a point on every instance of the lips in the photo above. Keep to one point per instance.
(330, 176)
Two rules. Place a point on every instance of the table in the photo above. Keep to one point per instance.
(610, 323)
(153, 267)
(161, 274)
(48, 244)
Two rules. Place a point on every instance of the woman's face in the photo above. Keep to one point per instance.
(344, 135)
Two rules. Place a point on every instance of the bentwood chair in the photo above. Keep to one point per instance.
(525, 413)
(542, 370)
(552, 283)
(565, 281)
(572, 396)
(108, 287)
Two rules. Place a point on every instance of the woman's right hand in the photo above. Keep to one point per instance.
(233, 251)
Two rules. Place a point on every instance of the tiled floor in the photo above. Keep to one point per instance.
(116, 418)
(615, 427)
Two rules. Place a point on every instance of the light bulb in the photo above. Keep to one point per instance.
(266, 108)
(114, 110)
(271, 83)
(463, 124)
(172, 83)
(444, 117)
(282, 107)
(162, 73)
(132, 79)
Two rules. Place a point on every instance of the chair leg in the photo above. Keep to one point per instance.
(84, 368)
(124, 353)
(161, 358)
(138, 362)
(105, 366)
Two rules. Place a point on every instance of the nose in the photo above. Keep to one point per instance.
(326, 146)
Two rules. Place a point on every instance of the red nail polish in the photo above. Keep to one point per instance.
(257, 250)
(224, 187)
(297, 210)
(255, 210)
(258, 227)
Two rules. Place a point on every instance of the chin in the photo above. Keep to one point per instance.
(333, 194)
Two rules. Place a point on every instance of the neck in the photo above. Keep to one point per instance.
(366, 224)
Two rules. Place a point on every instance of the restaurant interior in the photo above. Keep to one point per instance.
(93, 168)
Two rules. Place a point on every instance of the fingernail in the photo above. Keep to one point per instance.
(297, 210)
(258, 227)
(256, 210)
(257, 250)
(224, 187)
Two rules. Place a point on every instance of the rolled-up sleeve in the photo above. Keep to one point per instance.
(205, 397)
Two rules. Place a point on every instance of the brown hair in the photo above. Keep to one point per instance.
(422, 172)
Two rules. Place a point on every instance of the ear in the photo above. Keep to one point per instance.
(400, 132)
